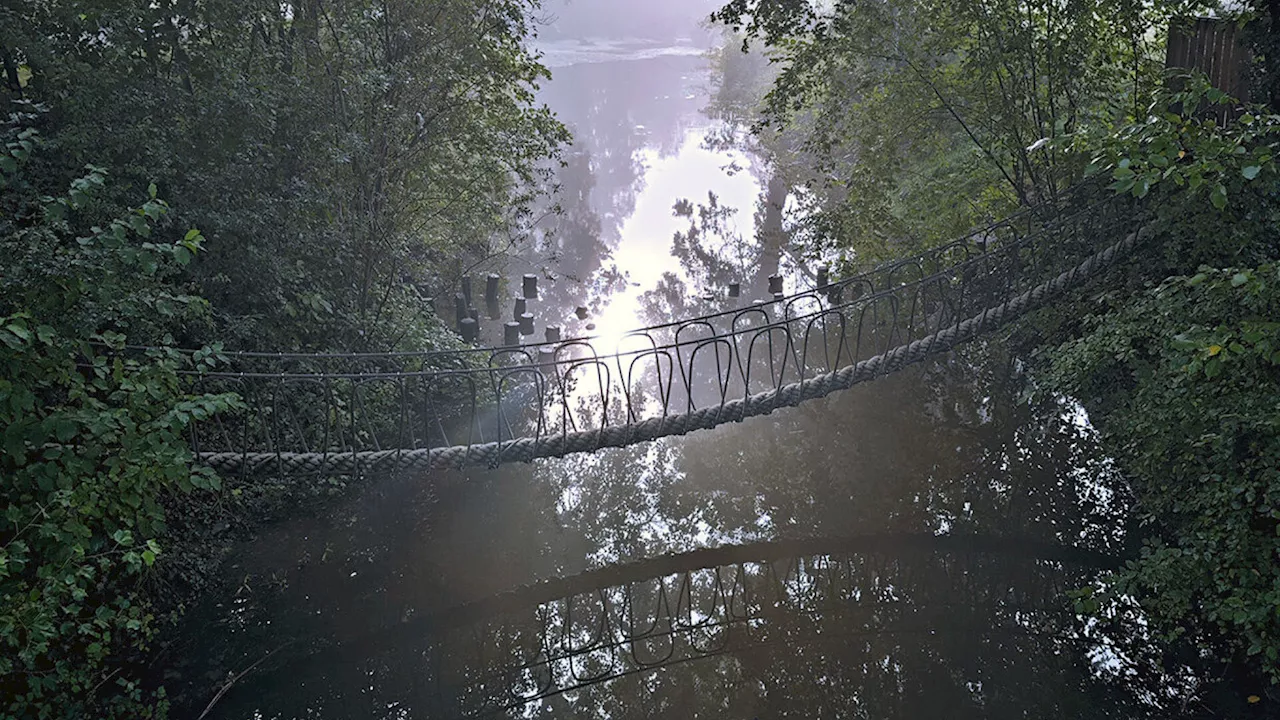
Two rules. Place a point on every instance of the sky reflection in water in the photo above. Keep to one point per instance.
(645, 250)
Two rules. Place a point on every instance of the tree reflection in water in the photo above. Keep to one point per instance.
(875, 627)
(591, 587)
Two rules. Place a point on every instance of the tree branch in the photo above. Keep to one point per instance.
(1022, 197)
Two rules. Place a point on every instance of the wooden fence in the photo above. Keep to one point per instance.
(1211, 46)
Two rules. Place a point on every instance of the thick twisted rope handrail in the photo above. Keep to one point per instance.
(527, 449)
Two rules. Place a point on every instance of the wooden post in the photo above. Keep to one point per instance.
(491, 288)
(470, 330)
(547, 360)
(511, 334)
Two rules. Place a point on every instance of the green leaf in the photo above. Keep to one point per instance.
(139, 225)
(192, 234)
(1213, 367)
(64, 429)
(152, 190)
(1218, 196)
(1251, 172)
(1239, 279)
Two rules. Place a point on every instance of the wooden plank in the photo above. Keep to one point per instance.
(1178, 49)
(1199, 46)
(1212, 55)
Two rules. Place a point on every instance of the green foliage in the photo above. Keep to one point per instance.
(1182, 142)
(93, 439)
(1183, 380)
(928, 118)
(337, 155)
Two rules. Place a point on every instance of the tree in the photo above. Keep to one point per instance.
(1182, 381)
(931, 118)
(937, 115)
(336, 154)
(330, 153)
(1181, 377)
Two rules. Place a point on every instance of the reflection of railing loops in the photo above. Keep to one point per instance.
(626, 623)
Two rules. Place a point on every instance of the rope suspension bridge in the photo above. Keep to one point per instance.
(329, 414)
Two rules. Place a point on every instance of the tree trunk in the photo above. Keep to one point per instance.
(11, 72)
(771, 235)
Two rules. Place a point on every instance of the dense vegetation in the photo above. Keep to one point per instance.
(303, 175)
(273, 175)
(913, 120)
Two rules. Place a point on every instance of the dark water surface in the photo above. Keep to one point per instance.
(903, 550)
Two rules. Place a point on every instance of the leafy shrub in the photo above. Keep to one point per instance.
(1181, 374)
(1183, 380)
(91, 438)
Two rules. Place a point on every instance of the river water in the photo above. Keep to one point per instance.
(906, 549)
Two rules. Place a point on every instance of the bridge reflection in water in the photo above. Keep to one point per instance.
(877, 626)
(312, 415)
